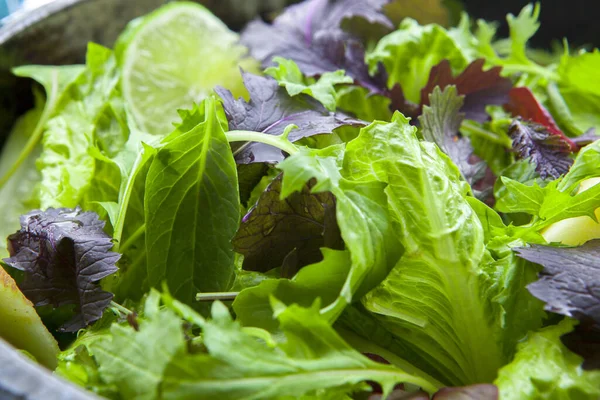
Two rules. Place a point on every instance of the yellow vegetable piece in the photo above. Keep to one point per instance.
(575, 231)
(21, 326)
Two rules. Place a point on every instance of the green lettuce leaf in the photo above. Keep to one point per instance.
(323, 89)
(362, 214)
(128, 170)
(409, 53)
(579, 72)
(554, 201)
(366, 106)
(311, 359)
(452, 319)
(134, 361)
(586, 165)
(576, 99)
(544, 368)
(55, 81)
(192, 208)
(17, 195)
(66, 165)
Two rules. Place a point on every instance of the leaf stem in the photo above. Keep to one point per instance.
(131, 239)
(272, 140)
(222, 296)
(124, 202)
(120, 308)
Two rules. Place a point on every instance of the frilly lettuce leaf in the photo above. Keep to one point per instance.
(309, 359)
(134, 360)
(67, 173)
(576, 100)
(17, 195)
(544, 368)
(289, 76)
(412, 49)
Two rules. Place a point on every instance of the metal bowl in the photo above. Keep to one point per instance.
(55, 34)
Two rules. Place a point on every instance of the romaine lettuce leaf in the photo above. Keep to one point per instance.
(21, 326)
(444, 241)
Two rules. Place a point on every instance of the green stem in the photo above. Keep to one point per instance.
(532, 69)
(120, 308)
(473, 129)
(222, 296)
(131, 239)
(272, 140)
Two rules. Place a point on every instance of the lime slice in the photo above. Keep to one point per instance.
(173, 58)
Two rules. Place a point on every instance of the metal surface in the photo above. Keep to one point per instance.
(58, 33)
(22, 379)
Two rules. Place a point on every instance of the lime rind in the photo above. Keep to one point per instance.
(174, 58)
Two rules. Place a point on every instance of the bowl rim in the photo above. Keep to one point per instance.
(20, 377)
(17, 23)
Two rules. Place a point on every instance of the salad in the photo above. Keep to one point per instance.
(342, 202)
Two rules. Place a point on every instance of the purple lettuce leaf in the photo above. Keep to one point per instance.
(311, 34)
(480, 88)
(64, 253)
(548, 151)
(287, 233)
(270, 110)
(570, 285)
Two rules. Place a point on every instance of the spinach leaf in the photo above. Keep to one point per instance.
(192, 208)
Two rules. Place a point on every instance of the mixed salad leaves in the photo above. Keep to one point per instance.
(371, 207)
